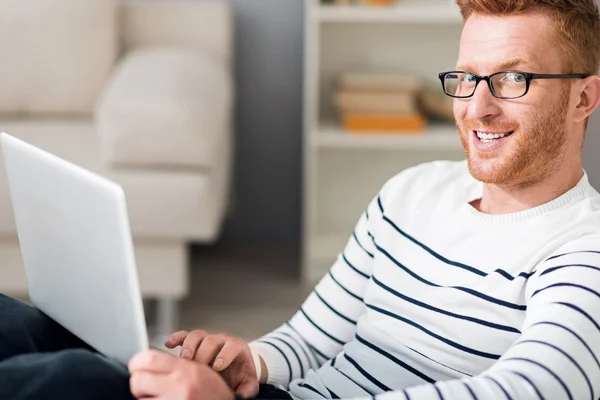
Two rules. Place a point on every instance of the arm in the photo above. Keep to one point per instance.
(327, 319)
(557, 355)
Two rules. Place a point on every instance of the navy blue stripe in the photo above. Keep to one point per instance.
(450, 262)
(372, 237)
(574, 334)
(361, 246)
(574, 307)
(463, 289)
(530, 382)
(332, 394)
(406, 394)
(395, 360)
(367, 213)
(284, 357)
(545, 368)
(312, 389)
(566, 266)
(435, 335)
(354, 268)
(333, 361)
(433, 253)
(500, 386)
(312, 348)
(367, 375)
(437, 389)
(310, 360)
(567, 285)
(470, 391)
(352, 380)
(321, 329)
(379, 204)
(437, 362)
(429, 307)
(339, 314)
(344, 289)
(293, 351)
(573, 252)
(566, 355)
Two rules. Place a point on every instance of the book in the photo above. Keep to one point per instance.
(383, 123)
(379, 82)
(369, 102)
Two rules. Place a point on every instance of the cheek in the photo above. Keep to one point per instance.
(460, 109)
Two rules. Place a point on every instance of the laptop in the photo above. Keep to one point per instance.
(77, 249)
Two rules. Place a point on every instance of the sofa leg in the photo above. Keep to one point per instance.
(167, 316)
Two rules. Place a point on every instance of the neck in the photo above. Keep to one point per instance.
(512, 198)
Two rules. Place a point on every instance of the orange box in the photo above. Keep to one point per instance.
(384, 123)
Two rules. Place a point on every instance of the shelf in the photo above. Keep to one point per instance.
(436, 137)
(405, 11)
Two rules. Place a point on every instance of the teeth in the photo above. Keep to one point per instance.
(488, 137)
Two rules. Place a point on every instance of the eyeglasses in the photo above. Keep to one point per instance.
(503, 85)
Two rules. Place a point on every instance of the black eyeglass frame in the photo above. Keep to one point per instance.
(528, 78)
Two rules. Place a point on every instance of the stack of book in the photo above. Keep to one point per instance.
(379, 103)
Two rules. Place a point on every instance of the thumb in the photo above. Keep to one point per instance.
(248, 389)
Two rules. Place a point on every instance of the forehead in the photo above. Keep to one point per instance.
(489, 41)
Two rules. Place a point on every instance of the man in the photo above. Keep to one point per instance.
(466, 280)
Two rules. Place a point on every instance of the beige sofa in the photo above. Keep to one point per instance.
(138, 92)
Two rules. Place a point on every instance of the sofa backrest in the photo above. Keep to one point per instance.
(55, 54)
(205, 25)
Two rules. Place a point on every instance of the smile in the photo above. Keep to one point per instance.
(487, 137)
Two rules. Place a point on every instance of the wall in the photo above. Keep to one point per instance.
(268, 68)
(591, 150)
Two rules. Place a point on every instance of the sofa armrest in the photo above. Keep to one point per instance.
(198, 25)
(165, 107)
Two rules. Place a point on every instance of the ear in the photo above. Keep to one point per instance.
(589, 98)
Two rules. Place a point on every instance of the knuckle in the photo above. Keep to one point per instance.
(213, 340)
(198, 333)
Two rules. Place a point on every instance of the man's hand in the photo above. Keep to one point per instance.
(162, 376)
(227, 355)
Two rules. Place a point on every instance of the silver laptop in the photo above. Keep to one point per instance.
(77, 249)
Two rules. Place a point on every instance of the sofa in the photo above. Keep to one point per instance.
(139, 92)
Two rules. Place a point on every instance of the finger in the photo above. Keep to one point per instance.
(147, 384)
(248, 390)
(210, 347)
(191, 344)
(230, 351)
(152, 361)
(176, 339)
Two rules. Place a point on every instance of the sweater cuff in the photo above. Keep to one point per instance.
(277, 368)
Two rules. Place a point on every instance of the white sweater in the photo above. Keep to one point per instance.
(432, 299)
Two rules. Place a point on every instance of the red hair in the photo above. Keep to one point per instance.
(576, 23)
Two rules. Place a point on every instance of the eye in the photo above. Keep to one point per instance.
(470, 78)
(514, 77)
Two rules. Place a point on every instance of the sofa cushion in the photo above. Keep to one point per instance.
(162, 204)
(164, 107)
(56, 54)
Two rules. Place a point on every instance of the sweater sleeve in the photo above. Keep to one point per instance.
(557, 355)
(327, 319)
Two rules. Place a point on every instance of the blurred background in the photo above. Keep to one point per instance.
(248, 135)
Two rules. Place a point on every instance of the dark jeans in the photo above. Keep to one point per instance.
(39, 359)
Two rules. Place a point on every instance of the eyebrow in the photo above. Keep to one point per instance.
(508, 64)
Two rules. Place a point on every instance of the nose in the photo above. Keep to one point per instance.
(483, 104)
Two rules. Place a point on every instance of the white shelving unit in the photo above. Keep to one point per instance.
(344, 171)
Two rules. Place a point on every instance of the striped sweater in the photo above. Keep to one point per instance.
(432, 299)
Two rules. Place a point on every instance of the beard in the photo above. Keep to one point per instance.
(534, 150)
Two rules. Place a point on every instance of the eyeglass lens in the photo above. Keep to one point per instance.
(504, 84)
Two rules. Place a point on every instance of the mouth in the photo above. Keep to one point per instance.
(490, 137)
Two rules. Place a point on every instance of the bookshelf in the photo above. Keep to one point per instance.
(343, 171)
